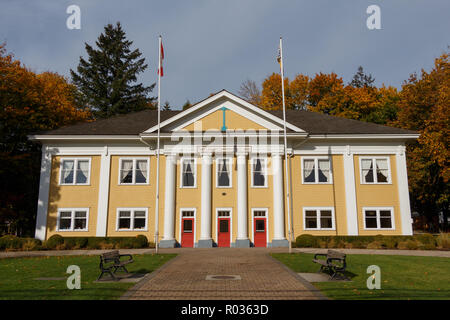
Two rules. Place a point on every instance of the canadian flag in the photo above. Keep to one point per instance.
(161, 58)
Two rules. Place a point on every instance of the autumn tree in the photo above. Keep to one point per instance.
(250, 92)
(29, 102)
(186, 105)
(108, 78)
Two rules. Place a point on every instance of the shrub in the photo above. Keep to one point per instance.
(375, 245)
(443, 240)
(389, 242)
(29, 244)
(54, 241)
(408, 245)
(306, 241)
(140, 241)
(426, 239)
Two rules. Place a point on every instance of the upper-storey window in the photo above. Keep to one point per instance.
(188, 173)
(223, 170)
(259, 172)
(316, 170)
(134, 171)
(75, 171)
(375, 170)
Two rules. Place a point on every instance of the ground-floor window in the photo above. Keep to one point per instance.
(318, 218)
(72, 219)
(378, 218)
(132, 219)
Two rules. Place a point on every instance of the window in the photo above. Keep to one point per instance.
(318, 218)
(133, 171)
(375, 170)
(188, 173)
(224, 173)
(75, 171)
(378, 218)
(132, 219)
(316, 170)
(259, 172)
(73, 219)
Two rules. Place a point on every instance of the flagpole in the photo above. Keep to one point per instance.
(285, 147)
(158, 149)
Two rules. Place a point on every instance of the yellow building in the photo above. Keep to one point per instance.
(222, 177)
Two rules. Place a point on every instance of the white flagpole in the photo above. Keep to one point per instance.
(287, 190)
(158, 150)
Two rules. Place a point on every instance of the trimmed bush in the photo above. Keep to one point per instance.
(426, 239)
(54, 241)
(141, 241)
(408, 245)
(10, 242)
(306, 241)
(375, 245)
(443, 240)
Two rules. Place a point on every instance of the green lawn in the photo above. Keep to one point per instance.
(402, 277)
(17, 277)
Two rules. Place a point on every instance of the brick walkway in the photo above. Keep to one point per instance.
(262, 277)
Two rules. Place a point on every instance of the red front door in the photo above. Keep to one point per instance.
(187, 232)
(223, 232)
(259, 229)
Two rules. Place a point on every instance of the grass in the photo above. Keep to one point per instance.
(402, 277)
(17, 277)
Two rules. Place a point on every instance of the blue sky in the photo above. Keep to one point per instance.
(212, 45)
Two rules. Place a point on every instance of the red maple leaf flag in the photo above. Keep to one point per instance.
(161, 58)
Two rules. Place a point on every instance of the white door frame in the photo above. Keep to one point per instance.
(217, 224)
(266, 210)
(194, 224)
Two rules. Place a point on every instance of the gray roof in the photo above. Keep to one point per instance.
(312, 122)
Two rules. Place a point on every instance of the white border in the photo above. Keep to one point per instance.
(316, 171)
(134, 159)
(217, 223)
(230, 159)
(194, 225)
(132, 219)
(378, 209)
(72, 223)
(389, 178)
(266, 210)
(266, 176)
(318, 215)
(195, 172)
(75, 165)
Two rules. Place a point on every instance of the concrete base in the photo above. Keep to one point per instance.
(205, 243)
(243, 243)
(167, 243)
(279, 243)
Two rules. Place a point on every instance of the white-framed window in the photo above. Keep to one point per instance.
(224, 172)
(259, 172)
(318, 218)
(188, 173)
(376, 218)
(316, 170)
(375, 170)
(75, 171)
(72, 219)
(134, 170)
(132, 219)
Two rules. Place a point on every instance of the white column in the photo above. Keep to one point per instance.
(103, 193)
(278, 198)
(169, 203)
(242, 227)
(205, 240)
(350, 194)
(44, 189)
(403, 193)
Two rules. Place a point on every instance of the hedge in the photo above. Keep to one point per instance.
(66, 243)
(419, 241)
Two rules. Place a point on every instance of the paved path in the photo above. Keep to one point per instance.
(420, 253)
(262, 277)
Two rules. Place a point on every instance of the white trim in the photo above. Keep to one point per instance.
(102, 137)
(316, 169)
(230, 159)
(44, 191)
(72, 220)
(75, 165)
(403, 193)
(378, 209)
(103, 194)
(374, 166)
(350, 194)
(134, 159)
(194, 172)
(318, 217)
(132, 212)
(388, 136)
(266, 210)
(264, 158)
(194, 225)
(231, 223)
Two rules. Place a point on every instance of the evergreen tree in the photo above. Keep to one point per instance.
(166, 106)
(362, 80)
(107, 79)
(187, 105)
